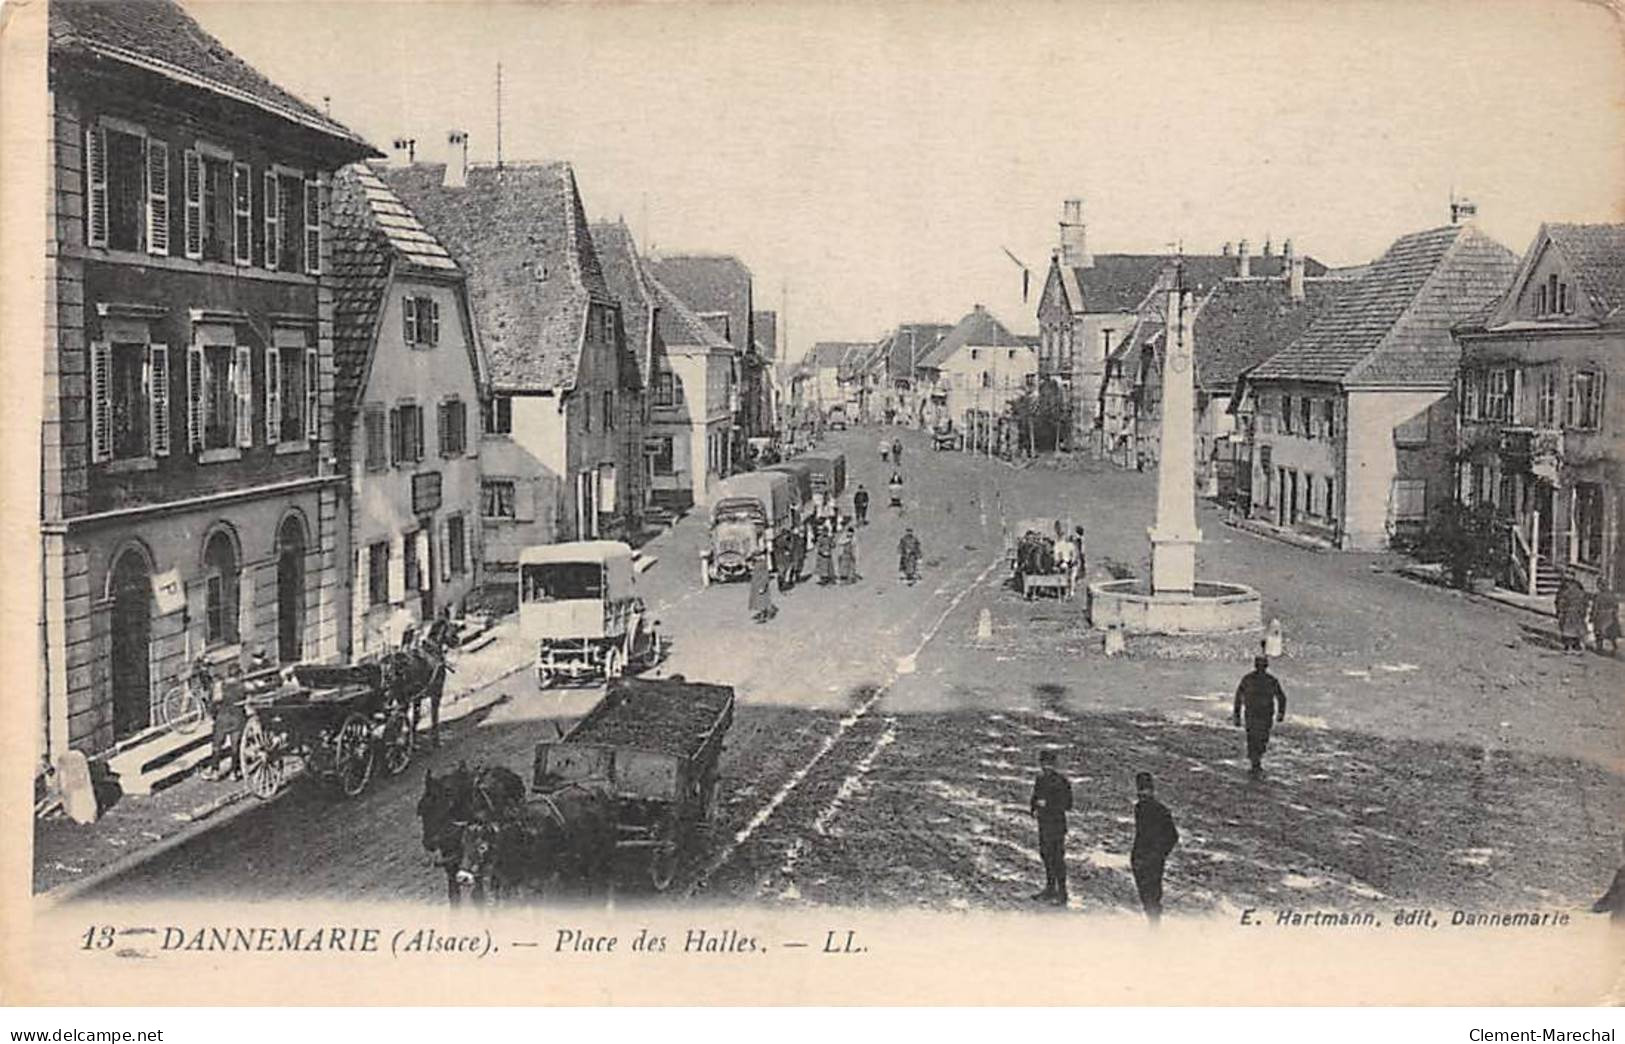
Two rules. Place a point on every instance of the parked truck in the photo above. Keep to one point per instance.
(757, 512)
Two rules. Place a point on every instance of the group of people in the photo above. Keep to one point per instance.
(1577, 607)
(1260, 704)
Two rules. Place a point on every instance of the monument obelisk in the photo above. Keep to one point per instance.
(1174, 535)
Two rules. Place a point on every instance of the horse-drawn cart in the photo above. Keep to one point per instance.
(657, 743)
(336, 721)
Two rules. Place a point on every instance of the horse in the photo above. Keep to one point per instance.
(567, 834)
(418, 669)
(452, 801)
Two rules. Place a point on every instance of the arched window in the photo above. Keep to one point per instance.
(222, 584)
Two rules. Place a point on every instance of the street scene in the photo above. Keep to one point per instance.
(415, 528)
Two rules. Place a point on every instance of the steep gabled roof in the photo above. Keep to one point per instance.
(1243, 322)
(520, 234)
(828, 355)
(374, 235)
(680, 327)
(1120, 282)
(710, 283)
(1596, 253)
(629, 282)
(158, 36)
(1392, 326)
(979, 328)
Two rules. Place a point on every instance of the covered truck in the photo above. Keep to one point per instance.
(758, 512)
(801, 482)
(578, 602)
(828, 473)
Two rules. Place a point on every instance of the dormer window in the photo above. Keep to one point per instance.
(1554, 297)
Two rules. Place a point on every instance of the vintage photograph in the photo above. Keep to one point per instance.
(1146, 467)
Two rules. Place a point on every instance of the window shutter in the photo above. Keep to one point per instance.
(242, 212)
(192, 187)
(96, 184)
(194, 398)
(159, 400)
(395, 435)
(313, 227)
(434, 321)
(425, 580)
(409, 320)
(360, 596)
(101, 403)
(313, 396)
(245, 396)
(524, 500)
(273, 228)
(445, 549)
(417, 433)
(273, 395)
(443, 427)
(157, 197)
(397, 569)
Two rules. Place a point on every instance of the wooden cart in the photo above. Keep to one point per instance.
(657, 742)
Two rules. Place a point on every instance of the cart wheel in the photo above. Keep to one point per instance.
(261, 769)
(663, 858)
(544, 677)
(614, 662)
(398, 739)
(352, 755)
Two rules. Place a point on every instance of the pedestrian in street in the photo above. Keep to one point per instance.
(761, 590)
(1051, 801)
(860, 505)
(826, 557)
(1083, 552)
(1605, 617)
(908, 555)
(895, 488)
(226, 702)
(1154, 837)
(1260, 703)
(897, 452)
(846, 560)
(885, 449)
(1571, 613)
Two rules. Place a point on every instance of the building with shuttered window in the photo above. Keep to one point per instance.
(189, 504)
(407, 401)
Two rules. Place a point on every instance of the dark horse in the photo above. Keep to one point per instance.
(567, 834)
(451, 803)
(418, 669)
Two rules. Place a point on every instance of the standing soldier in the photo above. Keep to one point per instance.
(826, 557)
(846, 560)
(1154, 837)
(1571, 605)
(897, 452)
(1052, 800)
(860, 505)
(1605, 617)
(885, 449)
(908, 555)
(1261, 699)
(761, 590)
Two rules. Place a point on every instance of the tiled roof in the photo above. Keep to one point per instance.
(910, 343)
(1392, 327)
(711, 283)
(979, 328)
(1120, 282)
(827, 355)
(159, 36)
(1597, 255)
(1242, 322)
(767, 332)
(520, 235)
(680, 327)
(1144, 332)
(623, 271)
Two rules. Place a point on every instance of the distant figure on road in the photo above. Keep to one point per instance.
(846, 555)
(860, 505)
(895, 488)
(1154, 837)
(1571, 613)
(885, 449)
(826, 557)
(1083, 551)
(908, 555)
(1605, 617)
(1051, 801)
(897, 452)
(1262, 702)
(761, 591)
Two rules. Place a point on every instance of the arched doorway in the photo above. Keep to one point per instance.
(131, 585)
(290, 590)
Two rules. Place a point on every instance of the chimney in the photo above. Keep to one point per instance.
(1287, 251)
(1462, 211)
(1244, 261)
(1294, 279)
(403, 152)
(1269, 249)
(1229, 249)
(457, 159)
(1074, 247)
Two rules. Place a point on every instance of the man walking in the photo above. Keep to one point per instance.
(908, 555)
(1052, 800)
(860, 505)
(826, 557)
(1154, 837)
(1261, 702)
(897, 452)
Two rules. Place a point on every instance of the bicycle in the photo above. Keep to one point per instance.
(186, 704)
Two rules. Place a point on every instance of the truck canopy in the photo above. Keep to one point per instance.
(828, 472)
(801, 478)
(596, 569)
(770, 490)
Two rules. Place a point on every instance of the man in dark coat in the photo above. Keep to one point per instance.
(1154, 837)
(1571, 604)
(908, 555)
(1261, 701)
(826, 556)
(860, 505)
(1605, 617)
(897, 452)
(1051, 801)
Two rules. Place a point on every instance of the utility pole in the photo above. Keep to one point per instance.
(499, 115)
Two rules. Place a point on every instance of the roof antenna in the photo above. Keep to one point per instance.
(327, 104)
(499, 115)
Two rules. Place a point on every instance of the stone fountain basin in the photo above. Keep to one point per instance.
(1211, 607)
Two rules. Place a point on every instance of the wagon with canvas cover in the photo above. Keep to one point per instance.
(578, 602)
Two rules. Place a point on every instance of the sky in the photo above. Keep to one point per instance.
(871, 163)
